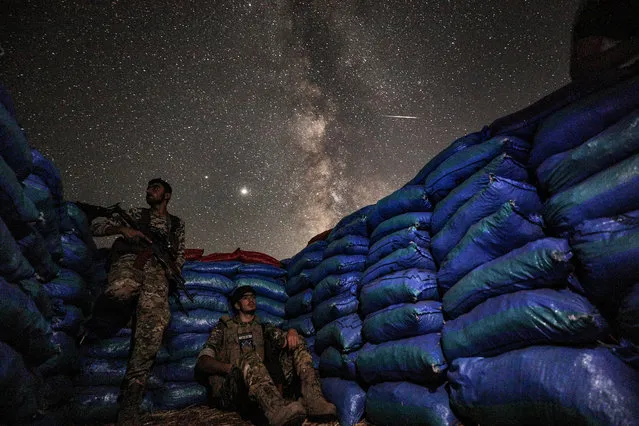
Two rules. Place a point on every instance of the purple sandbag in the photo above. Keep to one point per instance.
(395, 241)
(410, 257)
(348, 397)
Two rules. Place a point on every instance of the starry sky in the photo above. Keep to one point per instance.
(271, 119)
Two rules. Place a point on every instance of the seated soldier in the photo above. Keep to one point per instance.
(234, 362)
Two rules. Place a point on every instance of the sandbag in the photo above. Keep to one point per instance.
(14, 204)
(418, 359)
(484, 203)
(69, 287)
(458, 145)
(607, 193)
(339, 264)
(299, 283)
(14, 148)
(308, 260)
(503, 165)
(319, 245)
(99, 404)
(410, 257)
(178, 395)
(186, 345)
(613, 145)
(348, 244)
(542, 263)
(13, 265)
(411, 198)
(108, 372)
(355, 223)
(227, 269)
(524, 318)
(66, 360)
(36, 292)
(49, 227)
(333, 363)
(34, 249)
(546, 385)
(208, 281)
(203, 299)
(68, 318)
(336, 284)
(182, 370)
(301, 303)
(268, 318)
(18, 388)
(76, 256)
(405, 403)
(79, 221)
(404, 286)
(263, 286)
(116, 348)
(344, 333)
(491, 237)
(628, 317)
(348, 397)
(23, 326)
(403, 320)
(333, 308)
(582, 120)
(396, 241)
(197, 321)
(261, 269)
(462, 165)
(606, 252)
(268, 305)
(303, 324)
(50, 175)
(420, 220)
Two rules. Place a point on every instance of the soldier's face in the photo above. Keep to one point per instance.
(155, 194)
(247, 304)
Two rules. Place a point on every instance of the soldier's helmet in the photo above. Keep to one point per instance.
(239, 292)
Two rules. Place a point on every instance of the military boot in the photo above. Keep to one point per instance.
(131, 398)
(318, 408)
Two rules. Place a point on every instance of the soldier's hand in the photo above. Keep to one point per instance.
(131, 233)
(292, 339)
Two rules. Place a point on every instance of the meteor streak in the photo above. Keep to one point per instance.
(404, 117)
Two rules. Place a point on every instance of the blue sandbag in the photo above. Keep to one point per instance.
(182, 370)
(18, 388)
(404, 286)
(607, 193)
(333, 308)
(79, 222)
(186, 345)
(69, 287)
(336, 284)
(582, 120)
(211, 281)
(412, 256)
(14, 147)
(606, 251)
(49, 227)
(418, 359)
(263, 286)
(339, 264)
(333, 363)
(268, 305)
(628, 317)
(261, 269)
(309, 260)
(50, 175)
(315, 246)
(14, 204)
(403, 320)
(68, 318)
(227, 269)
(23, 326)
(13, 265)
(67, 359)
(484, 203)
(613, 145)
(395, 241)
(542, 263)
(344, 334)
(411, 198)
(269, 318)
(355, 223)
(503, 165)
(301, 303)
(99, 404)
(204, 299)
(458, 145)
(197, 321)
(34, 248)
(349, 244)
(303, 324)
(36, 292)
(524, 318)
(348, 397)
(462, 165)
(491, 237)
(109, 372)
(545, 385)
(116, 348)
(299, 283)
(76, 256)
(420, 220)
(405, 403)
(178, 395)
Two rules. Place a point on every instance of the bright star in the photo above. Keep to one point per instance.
(244, 190)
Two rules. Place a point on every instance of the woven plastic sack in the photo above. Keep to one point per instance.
(207, 281)
(406, 403)
(34, 249)
(50, 175)
(395, 241)
(336, 265)
(49, 227)
(628, 317)
(18, 388)
(462, 165)
(76, 256)
(117, 348)
(227, 269)
(178, 395)
(268, 318)
(273, 307)
(301, 303)
(524, 318)
(67, 359)
(69, 287)
(204, 299)
(186, 345)
(411, 198)
(333, 308)
(14, 147)
(197, 321)
(36, 292)
(540, 264)
(67, 318)
(79, 223)
(404, 286)
(484, 203)
(418, 359)
(349, 244)
(13, 265)
(353, 224)
(547, 385)
(299, 283)
(488, 239)
(303, 324)
(344, 334)
(613, 145)
(182, 370)
(348, 397)
(336, 284)
(403, 320)
(503, 165)
(333, 363)
(14, 204)
(607, 193)
(420, 220)
(261, 269)
(308, 260)
(263, 286)
(109, 372)
(99, 404)
(410, 257)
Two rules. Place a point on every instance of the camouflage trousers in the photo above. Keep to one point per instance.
(148, 290)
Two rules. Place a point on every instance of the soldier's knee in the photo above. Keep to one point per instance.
(124, 289)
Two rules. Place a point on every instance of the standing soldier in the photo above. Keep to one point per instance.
(234, 358)
(138, 282)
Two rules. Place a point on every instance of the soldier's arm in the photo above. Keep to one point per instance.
(280, 338)
(207, 361)
(115, 225)
(179, 261)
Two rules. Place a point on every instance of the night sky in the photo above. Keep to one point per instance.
(271, 119)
